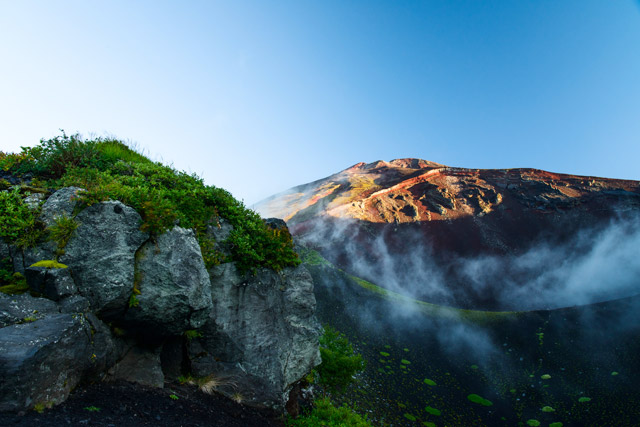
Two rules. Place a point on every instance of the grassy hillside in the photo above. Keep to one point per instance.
(110, 169)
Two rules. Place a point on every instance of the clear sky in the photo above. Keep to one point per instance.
(259, 96)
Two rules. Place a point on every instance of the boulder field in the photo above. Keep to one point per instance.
(121, 304)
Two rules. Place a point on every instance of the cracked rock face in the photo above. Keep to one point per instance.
(257, 331)
(175, 292)
(101, 255)
(41, 362)
(262, 334)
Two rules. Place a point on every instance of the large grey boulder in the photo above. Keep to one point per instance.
(262, 334)
(101, 254)
(60, 203)
(175, 292)
(42, 361)
(24, 309)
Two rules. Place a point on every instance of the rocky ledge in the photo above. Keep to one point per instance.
(124, 305)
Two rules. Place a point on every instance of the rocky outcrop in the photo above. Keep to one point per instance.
(101, 254)
(24, 308)
(42, 361)
(261, 335)
(141, 308)
(173, 285)
(53, 283)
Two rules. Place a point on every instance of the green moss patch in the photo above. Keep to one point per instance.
(533, 423)
(584, 399)
(427, 381)
(546, 377)
(384, 354)
(48, 263)
(548, 409)
(405, 362)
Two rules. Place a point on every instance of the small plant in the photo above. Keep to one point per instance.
(433, 411)
(480, 400)
(533, 423)
(584, 399)
(210, 383)
(339, 362)
(237, 397)
(548, 409)
(39, 407)
(92, 409)
(61, 231)
(173, 397)
(29, 319)
(427, 381)
(11, 283)
(133, 301)
(191, 334)
(325, 414)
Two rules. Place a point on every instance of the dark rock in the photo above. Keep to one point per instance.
(53, 283)
(172, 358)
(220, 233)
(41, 362)
(105, 348)
(101, 254)
(141, 366)
(276, 224)
(175, 292)
(24, 308)
(262, 332)
(74, 304)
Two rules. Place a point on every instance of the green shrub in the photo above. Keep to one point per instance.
(18, 224)
(61, 232)
(11, 283)
(109, 169)
(339, 362)
(324, 414)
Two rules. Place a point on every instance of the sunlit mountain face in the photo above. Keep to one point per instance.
(477, 297)
(499, 239)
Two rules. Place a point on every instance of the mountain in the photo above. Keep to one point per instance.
(461, 236)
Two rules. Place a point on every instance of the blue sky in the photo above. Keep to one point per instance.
(257, 96)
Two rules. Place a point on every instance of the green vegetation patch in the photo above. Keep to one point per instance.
(427, 381)
(584, 399)
(325, 414)
(479, 399)
(428, 424)
(548, 409)
(546, 377)
(433, 411)
(339, 362)
(556, 424)
(384, 354)
(533, 423)
(405, 362)
(614, 373)
(11, 283)
(108, 169)
(48, 263)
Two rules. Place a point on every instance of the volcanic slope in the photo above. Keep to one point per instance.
(431, 226)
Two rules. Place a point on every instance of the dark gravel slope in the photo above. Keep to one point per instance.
(126, 404)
